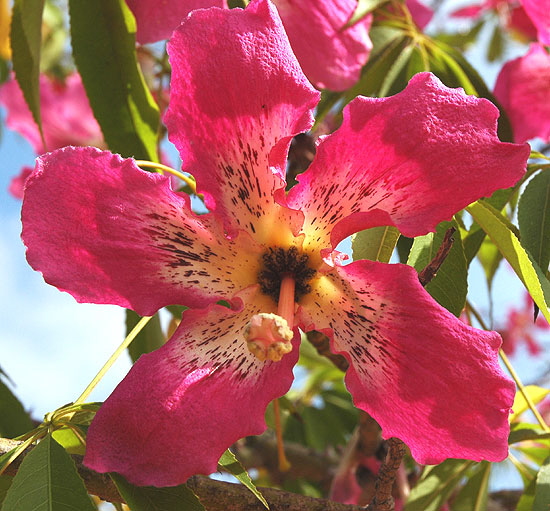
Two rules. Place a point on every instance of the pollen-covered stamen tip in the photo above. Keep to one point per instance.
(268, 336)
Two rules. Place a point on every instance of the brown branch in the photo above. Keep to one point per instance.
(430, 271)
(260, 452)
(322, 344)
(214, 495)
(383, 499)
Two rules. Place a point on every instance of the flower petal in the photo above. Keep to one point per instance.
(330, 55)
(183, 405)
(17, 184)
(523, 89)
(425, 376)
(102, 229)
(156, 20)
(410, 160)
(237, 97)
(421, 14)
(67, 118)
(539, 12)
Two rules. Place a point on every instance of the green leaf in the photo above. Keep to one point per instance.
(26, 41)
(55, 40)
(150, 498)
(542, 488)
(535, 393)
(395, 80)
(362, 9)
(376, 244)
(14, 420)
(503, 236)
(232, 465)
(495, 48)
(534, 219)
(378, 66)
(475, 237)
(450, 286)
(47, 480)
(103, 41)
(473, 496)
(490, 258)
(5, 483)
(524, 431)
(149, 339)
(436, 485)
(526, 501)
(463, 74)
(67, 438)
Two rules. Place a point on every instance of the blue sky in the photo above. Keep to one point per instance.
(51, 346)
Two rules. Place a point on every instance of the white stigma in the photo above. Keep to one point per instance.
(268, 337)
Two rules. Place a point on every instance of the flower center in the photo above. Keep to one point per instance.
(279, 263)
(268, 336)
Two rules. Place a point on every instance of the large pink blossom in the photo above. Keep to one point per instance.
(511, 13)
(539, 12)
(157, 19)
(105, 231)
(67, 118)
(331, 54)
(522, 328)
(523, 89)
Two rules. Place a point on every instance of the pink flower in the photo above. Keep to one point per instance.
(67, 118)
(523, 90)
(156, 20)
(510, 12)
(116, 234)
(331, 56)
(522, 328)
(17, 184)
(421, 14)
(539, 12)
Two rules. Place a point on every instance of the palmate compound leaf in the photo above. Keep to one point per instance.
(103, 41)
(450, 285)
(26, 41)
(47, 481)
(534, 219)
(503, 236)
(231, 464)
(150, 498)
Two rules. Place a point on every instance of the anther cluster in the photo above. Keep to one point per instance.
(279, 262)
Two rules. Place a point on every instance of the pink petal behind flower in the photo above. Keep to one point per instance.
(411, 160)
(105, 231)
(157, 19)
(539, 12)
(421, 14)
(331, 56)
(183, 405)
(426, 377)
(67, 118)
(17, 184)
(523, 89)
(237, 98)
